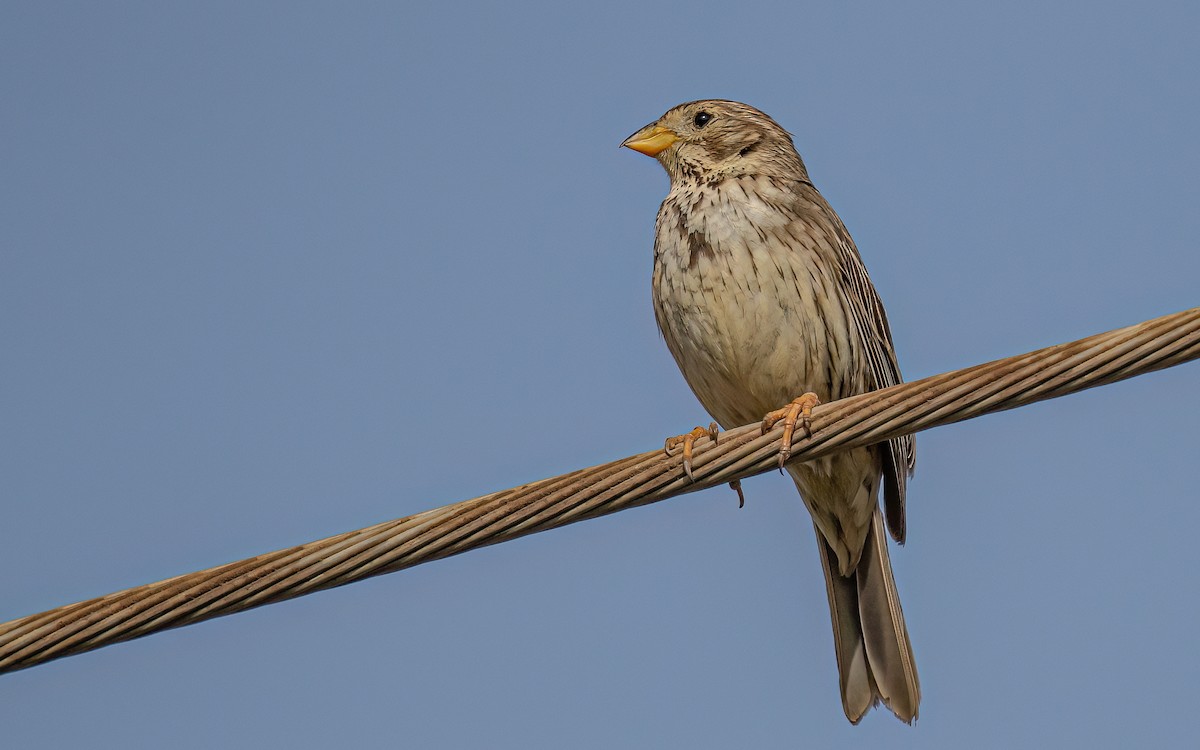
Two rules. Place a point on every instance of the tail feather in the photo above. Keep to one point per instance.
(859, 693)
(874, 656)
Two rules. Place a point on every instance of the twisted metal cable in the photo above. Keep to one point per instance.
(629, 482)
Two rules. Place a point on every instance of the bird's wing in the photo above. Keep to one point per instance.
(876, 335)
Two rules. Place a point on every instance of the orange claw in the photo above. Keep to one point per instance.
(688, 441)
(800, 410)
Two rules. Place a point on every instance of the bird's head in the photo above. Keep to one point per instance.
(714, 139)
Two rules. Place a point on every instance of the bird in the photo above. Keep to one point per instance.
(765, 304)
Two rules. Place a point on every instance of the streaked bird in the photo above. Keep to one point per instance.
(767, 308)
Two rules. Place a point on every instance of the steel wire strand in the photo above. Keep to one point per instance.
(588, 493)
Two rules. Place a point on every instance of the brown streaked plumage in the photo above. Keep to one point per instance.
(761, 296)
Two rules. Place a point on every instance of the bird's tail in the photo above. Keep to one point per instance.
(875, 659)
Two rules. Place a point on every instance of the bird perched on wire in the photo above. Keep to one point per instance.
(765, 303)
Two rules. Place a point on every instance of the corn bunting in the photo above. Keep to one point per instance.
(761, 296)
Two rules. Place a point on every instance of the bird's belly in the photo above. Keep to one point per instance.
(748, 339)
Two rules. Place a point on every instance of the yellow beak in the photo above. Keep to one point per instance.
(651, 140)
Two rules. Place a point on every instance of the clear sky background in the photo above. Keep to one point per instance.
(270, 272)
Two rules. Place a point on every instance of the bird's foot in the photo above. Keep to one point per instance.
(797, 412)
(687, 441)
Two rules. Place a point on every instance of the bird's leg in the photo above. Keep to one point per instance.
(800, 410)
(687, 441)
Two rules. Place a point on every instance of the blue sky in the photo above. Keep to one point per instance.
(270, 272)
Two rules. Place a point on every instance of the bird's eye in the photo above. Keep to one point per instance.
(701, 119)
